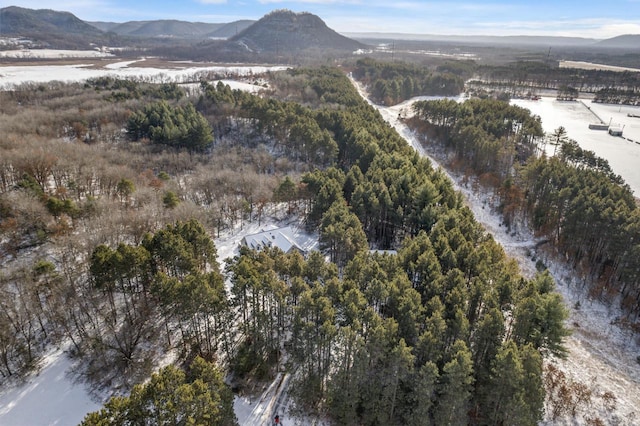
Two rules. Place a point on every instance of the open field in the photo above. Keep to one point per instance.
(152, 70)
(623, 155)
(592, 66)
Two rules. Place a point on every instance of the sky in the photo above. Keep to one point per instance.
(573, 18)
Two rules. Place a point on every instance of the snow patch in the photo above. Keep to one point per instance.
(48, 397)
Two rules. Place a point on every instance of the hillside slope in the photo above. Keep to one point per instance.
(627, 41)
(50, 28)
(20, 21)
(286, 31)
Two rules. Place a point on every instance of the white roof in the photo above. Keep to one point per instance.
(383, 252)
(281, 238)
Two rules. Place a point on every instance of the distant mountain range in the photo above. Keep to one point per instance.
(49, 28)
(279, 31)
(485, 40)
(173, 28)
(628, 41)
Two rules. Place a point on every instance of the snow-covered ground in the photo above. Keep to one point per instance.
(11, 76)
(49, 397)
(53, 54)
(601, 354)
(623, 155)
(593, 66)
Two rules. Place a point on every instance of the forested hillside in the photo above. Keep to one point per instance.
(109, 241)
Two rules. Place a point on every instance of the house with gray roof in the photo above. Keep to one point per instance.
(282, 238)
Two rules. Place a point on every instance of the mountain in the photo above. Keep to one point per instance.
(231, 29)
(19, 21)
(103, 26)
(287, 31)
(160, 28)
(174, 28)
(627, 41)
(50, 28)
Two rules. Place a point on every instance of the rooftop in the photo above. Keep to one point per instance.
(282, 238)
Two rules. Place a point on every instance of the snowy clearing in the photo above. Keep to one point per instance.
(48, 397)
(53, 54)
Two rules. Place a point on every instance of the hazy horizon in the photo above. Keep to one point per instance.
(587, 19)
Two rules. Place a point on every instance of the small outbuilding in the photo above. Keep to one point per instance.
(615, 131)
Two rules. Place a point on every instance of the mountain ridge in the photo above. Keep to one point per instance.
(475, 39)
(174, 28)
(286, 31)
(18, 20)
(279, 31)
(625, 41)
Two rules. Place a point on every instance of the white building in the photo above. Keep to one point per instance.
(282, 238)
(615, 130)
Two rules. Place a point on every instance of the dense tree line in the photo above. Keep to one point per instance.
(290, 127)
(121, 89)
(489, 136)
(567, 93)
(390, 83)
(616, 96)
(172, 396)
(544, 75)
(180, 127)
(395, 339)
(573, 198)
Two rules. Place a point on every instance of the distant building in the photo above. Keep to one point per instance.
(599, 126)
(282, 238)
(384, 252)
(615, 131)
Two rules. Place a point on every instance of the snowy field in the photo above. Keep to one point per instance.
(592, 66)
(53, 54)
(623, 155)
(11, 76)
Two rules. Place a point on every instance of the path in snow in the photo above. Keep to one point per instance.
(600, 354)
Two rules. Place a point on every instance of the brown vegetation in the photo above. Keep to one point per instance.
(70, 180)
